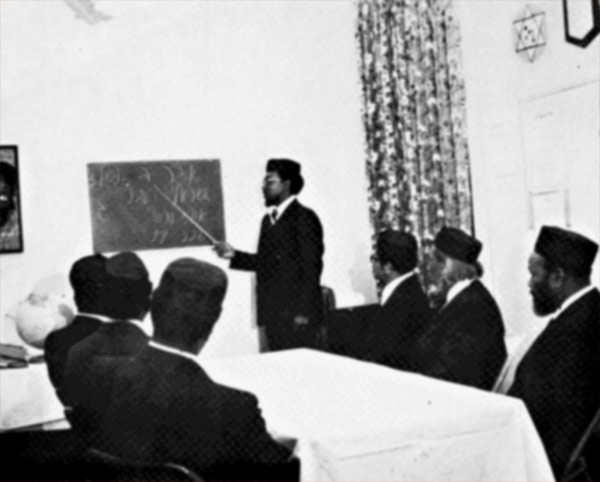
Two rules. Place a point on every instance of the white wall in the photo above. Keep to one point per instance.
(240, 81)
(502, 90)
(243, 81)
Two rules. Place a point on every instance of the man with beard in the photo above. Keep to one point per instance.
(288, 263)
(559, 376)
(466, 341)
(10, 237)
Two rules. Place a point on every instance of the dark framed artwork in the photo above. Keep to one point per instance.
(582, 21)
(11, 228)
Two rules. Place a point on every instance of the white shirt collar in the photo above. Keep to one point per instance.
(572, 299)
(96, 316)
(389, 288)
(457, 289)
(106, 319)
(507, 377)
(280, 208)
(174, 351)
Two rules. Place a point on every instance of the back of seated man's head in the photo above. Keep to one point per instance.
(187, 303)
(88, 279)
(128, 287)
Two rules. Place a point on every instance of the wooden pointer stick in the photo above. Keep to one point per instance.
(187, 216)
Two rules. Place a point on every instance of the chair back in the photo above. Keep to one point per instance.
(104, 467)
(577, 468)
(328, 299)
(328, 296)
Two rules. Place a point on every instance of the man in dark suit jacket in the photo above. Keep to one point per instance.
(111, 289)
(404, 313)
(559, 376)
(161, 406)
(466, 341)
(87, 277)
(288, 263)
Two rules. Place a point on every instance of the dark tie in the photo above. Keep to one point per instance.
(274, 216)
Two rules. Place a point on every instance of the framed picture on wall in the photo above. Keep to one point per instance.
(11, 230)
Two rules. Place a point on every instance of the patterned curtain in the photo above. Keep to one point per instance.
(414, 120)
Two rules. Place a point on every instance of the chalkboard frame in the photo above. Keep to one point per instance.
(136, 205)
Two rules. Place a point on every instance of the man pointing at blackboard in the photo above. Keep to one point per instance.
(288, 263)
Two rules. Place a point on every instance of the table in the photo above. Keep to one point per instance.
(27, 398)
(358, 421)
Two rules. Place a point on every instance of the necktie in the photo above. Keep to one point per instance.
(274, 216)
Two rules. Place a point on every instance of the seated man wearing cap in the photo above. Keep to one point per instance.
(161, 406)
(88, 278)
(466, 342)
(404, 314)
(559, 376)
(125, 299)
(288, 263)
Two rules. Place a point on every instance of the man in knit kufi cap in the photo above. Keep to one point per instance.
(165, 407)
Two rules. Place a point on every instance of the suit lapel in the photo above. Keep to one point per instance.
(440, 323)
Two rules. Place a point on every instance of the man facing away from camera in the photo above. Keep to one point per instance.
(161, 406)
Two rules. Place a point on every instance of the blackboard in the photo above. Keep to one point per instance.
(129, 212)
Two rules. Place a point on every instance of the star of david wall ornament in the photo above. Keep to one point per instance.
(530, 33)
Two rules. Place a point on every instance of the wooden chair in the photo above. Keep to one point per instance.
(346, 329)
(328, 306)
(104, 467)
(578, 469)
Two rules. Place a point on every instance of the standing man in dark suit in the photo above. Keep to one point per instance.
(161, 406)
(559, 376)
(404, 313)
(466, 341)
(288, 263)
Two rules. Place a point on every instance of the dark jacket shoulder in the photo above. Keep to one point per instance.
(59, 343)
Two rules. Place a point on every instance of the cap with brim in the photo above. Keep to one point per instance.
(458, 245)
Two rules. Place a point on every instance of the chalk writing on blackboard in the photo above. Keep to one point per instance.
(129, 212)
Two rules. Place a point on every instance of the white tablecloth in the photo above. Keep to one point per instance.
(354, 421)
(27, 397)
(358, 421)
